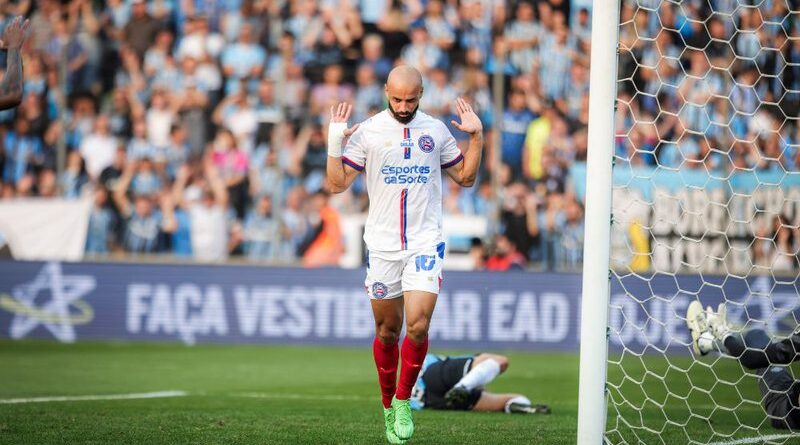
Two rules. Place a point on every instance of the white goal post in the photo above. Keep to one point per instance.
(596, 250)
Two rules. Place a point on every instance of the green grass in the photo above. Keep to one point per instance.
(218, 378)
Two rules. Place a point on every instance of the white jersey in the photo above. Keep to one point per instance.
(404, 166)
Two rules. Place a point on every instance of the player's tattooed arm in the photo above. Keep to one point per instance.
(465, 172)
(11, 85)
(339, 175)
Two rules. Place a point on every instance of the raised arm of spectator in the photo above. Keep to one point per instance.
(181, 179)
(169, 224)
(121, 189)
(216, 182)
(532, 214)
(11, 85)
(465, 172)
(217, 116)
(343, 36)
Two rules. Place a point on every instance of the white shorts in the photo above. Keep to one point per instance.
(389, 274)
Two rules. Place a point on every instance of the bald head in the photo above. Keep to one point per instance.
(404, 77)
(403, 92)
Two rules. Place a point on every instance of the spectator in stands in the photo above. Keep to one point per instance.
(232, 164)
(505, 256)
(372, 50)
(323, 243)
(23, 154)
(519, 218)
(261, 231)
(270, 72)
(200, 192)
(141, 29)
(243, 62)
(369, 94)
(516, 119)
(101, 224)
(98, 148)
(331, 91)
(421, 53)
(570, 252)
(147, 219)
(74, 177)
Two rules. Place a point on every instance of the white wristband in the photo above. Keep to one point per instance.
(335, 138)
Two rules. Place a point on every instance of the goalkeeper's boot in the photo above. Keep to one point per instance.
(718, 323)
(697, 322)
(457, 398)
(388, 418)
(403, 423)
(525, 408)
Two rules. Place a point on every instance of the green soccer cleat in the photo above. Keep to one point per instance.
(403, 423)
(388, 418)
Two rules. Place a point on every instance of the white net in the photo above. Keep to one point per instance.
(706, 206)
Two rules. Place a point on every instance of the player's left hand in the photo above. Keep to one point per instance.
(470, 122)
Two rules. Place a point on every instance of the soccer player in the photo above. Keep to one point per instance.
(456, 383)
(780, 392)
(403, 152)
(11, 85)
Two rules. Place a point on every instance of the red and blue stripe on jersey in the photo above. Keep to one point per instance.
(403, 218)
(406, 143)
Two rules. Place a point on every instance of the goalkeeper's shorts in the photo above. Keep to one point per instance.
(389, 274)
(442, 376)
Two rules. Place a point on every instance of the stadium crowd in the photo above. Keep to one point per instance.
(199, 126)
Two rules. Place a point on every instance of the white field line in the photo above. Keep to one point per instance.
(129, 396)
(758, 439)
(289, 396)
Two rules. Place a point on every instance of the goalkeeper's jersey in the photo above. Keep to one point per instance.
(417, 399)
(403, 164)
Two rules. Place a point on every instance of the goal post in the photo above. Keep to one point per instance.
(597, 244)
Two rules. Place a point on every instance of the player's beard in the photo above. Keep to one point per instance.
(403, 118)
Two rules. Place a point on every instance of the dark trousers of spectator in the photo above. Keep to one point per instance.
(780, 392)
(238, 198)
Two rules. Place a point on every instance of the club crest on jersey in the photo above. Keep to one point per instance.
(379, 290)
(426, 143)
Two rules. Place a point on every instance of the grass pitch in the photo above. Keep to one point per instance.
(312, 395)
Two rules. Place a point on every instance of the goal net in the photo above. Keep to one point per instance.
(705, 206)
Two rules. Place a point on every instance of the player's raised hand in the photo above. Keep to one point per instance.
(340, 114)
(470, 122)
(15, 33)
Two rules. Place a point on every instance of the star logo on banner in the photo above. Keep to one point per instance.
(60, 313)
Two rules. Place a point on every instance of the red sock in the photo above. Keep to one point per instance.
(413, 355)
(386, 358)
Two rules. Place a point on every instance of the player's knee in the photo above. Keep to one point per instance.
(418, 330)
(387, 336)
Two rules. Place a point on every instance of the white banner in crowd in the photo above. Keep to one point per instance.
(45, 229)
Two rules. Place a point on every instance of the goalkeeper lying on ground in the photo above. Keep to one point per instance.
(780, 392)
(456, 383)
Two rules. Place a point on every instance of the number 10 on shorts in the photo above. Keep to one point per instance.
(425, 262)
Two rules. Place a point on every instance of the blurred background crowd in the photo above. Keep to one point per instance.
(198, 126)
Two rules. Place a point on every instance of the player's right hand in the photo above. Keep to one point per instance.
(15, 33)
(340, 114)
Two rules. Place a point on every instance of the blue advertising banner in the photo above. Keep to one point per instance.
(243, 304)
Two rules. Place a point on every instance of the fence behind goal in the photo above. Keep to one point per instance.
(706, 197)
